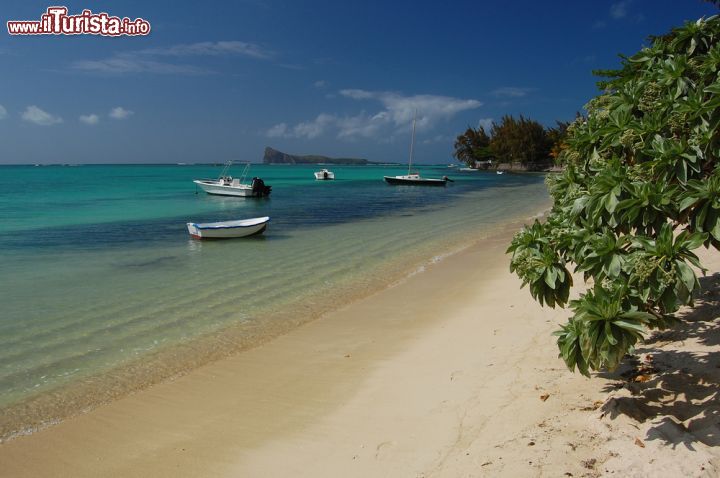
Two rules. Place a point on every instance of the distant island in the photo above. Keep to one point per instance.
(273, 156)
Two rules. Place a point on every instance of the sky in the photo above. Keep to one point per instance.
(218, 80)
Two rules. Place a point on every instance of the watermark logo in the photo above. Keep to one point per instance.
(56, 21)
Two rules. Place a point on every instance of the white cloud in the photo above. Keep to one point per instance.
(320, 84)
(357, 94)
(486, 123)
(90, 119)
(618, 10)
(363, 125)
(306, 129)
(512, 92)
(120, 113)
(396, 115)
(121, 64)
(399, 110)
(313, 129)
(440, 138)
(208, 48)
(277, 131)
(147, 61)
(35, 115)
(3, 112)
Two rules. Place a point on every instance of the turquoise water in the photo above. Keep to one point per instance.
(100, 276)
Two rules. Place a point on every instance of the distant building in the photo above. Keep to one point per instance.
(483, 164)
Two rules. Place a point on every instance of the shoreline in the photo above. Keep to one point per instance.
(358, 330)
(47, 409)
(452, 372)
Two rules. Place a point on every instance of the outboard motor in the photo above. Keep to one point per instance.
(259, 189)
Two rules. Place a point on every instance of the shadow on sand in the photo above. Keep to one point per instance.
(674, 378)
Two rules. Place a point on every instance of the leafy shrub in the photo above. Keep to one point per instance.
(640, 191)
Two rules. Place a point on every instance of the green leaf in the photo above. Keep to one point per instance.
(714, 88)
(611, 203)
(638, 316)
(687, 275)
(695, 240)
(628, 325)
(550, 277)
(608, 333)
(615, 265)
(687, 202)
(713, 224)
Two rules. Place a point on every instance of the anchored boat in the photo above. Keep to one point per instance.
(414, 179)
(324, 174)
(228, 229)
(226, 185)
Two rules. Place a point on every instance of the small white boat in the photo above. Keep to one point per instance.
(411, 178)
(324, 174)
(228, 229)
(228, 186)
(499, 172)
(468, 170)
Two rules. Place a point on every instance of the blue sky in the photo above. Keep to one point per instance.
(222, 80)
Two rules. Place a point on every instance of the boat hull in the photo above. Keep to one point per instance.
(228, 230)
(414, 181)
(324, 176)
(211, 187)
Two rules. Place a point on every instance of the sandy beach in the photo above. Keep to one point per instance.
(452, 372)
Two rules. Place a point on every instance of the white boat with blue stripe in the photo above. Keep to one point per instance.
(228, 229)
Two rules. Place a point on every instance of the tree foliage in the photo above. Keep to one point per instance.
(556, 138)
(472, 145)
(520, 140)
(640, 192)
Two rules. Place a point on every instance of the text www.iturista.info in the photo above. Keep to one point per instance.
(56, 21)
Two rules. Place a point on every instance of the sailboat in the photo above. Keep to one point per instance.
(413, 178)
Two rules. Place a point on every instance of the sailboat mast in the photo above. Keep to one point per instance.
(412, 143)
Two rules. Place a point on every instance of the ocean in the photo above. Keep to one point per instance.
(103, 292)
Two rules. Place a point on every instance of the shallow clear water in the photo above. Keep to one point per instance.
(99, 271)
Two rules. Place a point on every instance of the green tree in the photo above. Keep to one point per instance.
(521, 140)
(640, 192)
(472, 145)
(556, 138)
